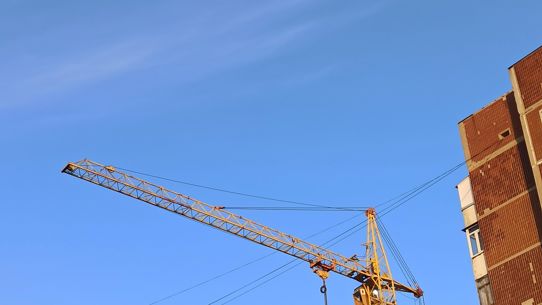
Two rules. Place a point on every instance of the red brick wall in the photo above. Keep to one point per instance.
(509, 230)
(483, 128)
(508, 227)
(512, 283)
(529, 76)
(501, 178)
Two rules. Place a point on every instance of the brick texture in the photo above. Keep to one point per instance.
(501, 178)
(510, 219)
(529, 76)
(483, 129)
(518, 280)
(510, 229)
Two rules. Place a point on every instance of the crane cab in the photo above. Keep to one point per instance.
(361, 297)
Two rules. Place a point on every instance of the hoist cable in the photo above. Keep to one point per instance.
(323, 290)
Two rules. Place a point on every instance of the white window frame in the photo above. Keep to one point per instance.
(474, 231)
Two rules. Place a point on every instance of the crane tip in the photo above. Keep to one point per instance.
(68, 168)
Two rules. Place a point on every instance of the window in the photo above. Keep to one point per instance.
(504, 134)
(475, 242)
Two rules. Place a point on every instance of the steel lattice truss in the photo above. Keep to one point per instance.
(110, 178)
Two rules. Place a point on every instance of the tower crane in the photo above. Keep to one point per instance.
(377, 286)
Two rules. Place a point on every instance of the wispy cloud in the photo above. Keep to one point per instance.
(195, 46)
(99, 64)
(222, 50)
(54, 75)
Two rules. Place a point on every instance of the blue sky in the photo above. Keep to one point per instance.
(349, 102)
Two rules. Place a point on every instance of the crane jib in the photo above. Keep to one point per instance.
(113, 179)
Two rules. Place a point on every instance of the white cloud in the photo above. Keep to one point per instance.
(55, 75)
(97, 65)
(194, 47)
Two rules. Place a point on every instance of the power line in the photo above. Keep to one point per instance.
(211, 279)
(349, 232)
(253, 281)
(402, 199)
(262, 283)
(273, 271)
(399, 201)
(260, 278)
(246, 264)
(406, 197)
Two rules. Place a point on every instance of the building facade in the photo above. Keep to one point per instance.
(501, 198)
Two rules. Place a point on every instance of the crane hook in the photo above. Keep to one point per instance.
(323, 290)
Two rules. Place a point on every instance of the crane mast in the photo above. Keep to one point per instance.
(377, 285)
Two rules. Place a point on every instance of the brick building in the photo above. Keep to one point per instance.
(501, 198)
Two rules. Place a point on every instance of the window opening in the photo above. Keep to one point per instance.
(504, 134)
(475, 241)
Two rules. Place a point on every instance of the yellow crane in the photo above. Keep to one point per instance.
(377, 284)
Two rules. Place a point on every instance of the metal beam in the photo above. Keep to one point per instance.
(110, 178)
